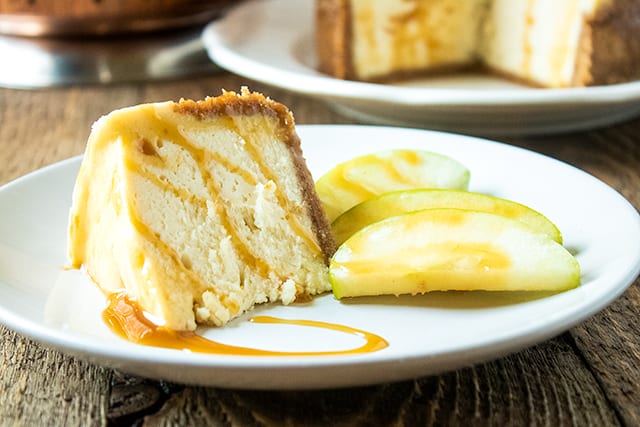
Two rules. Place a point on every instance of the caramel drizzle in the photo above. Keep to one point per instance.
(405, 38)
(366, 15)
(201, 158)
(478, 257)
(194, 278)
(385, 167)
(179, 193)
(125, 318)
(527, 46)
(558, 54)
(245, 174)
(283, 200)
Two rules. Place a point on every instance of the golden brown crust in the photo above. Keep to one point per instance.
(235, 104)
(582, 69)
(333, 38)
(611, 45)
(250, 103)
(321, 225)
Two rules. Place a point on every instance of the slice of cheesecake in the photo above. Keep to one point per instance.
(199, 210)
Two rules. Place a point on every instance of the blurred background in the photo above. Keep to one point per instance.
(50, 43)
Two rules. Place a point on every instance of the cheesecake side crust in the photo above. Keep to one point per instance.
(610, 46)
(333, 38)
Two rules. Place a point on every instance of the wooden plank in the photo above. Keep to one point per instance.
(43, 386)
(610, 344)
(545, 385)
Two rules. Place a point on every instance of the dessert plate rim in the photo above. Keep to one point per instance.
(427, 334)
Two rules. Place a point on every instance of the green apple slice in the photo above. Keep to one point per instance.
(361, 178)
(450, 249)
(400, 202)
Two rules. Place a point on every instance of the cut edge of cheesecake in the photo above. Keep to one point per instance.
(605, 50)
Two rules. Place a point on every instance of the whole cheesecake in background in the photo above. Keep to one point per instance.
(199, 210)
(547, 43)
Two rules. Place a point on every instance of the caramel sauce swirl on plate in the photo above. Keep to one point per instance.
(125, 318)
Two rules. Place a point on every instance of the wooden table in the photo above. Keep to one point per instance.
(587, 376)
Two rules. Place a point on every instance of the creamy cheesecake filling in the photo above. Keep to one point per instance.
(394, 35)
(198, 220)
(535, 40)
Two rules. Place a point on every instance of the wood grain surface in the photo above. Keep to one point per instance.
(588, 376)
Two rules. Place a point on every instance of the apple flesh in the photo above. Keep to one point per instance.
(450, 249)
(361, 178)
(400, 202)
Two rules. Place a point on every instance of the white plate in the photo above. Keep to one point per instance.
(271, 41)
(426, 334)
